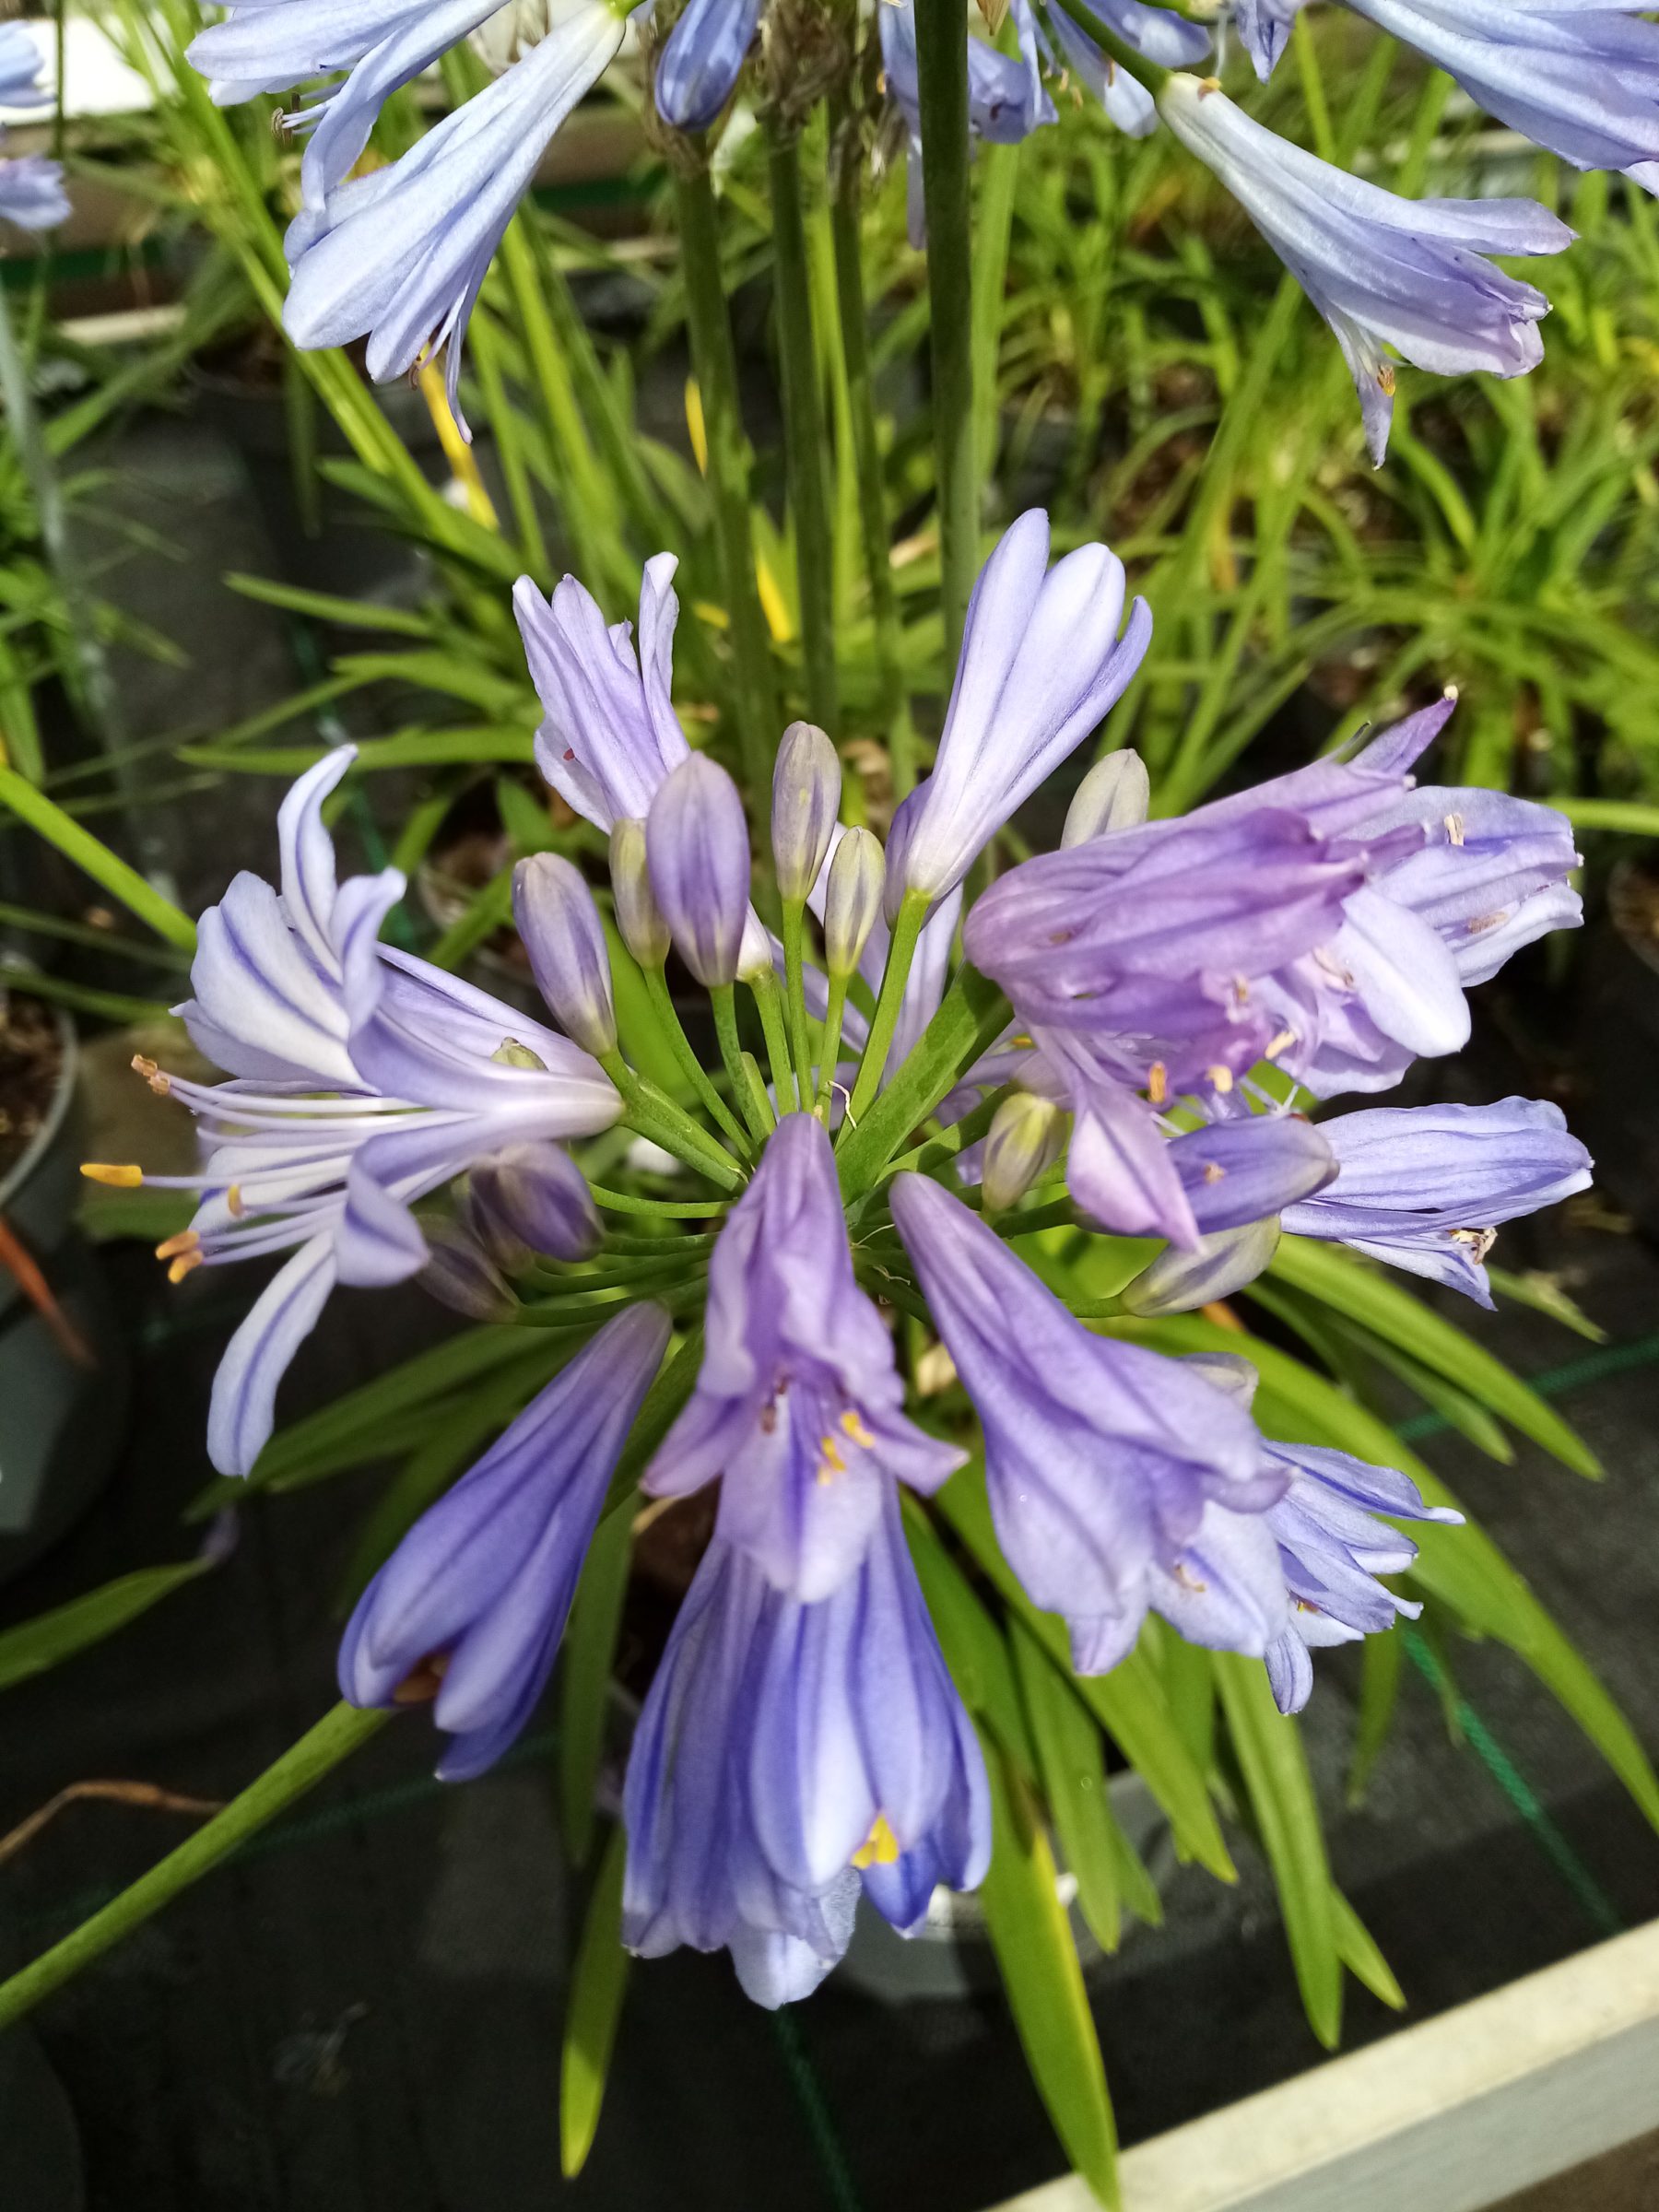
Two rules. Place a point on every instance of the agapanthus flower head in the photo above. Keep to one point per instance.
(799, 1405)
(471, 1605)
(791, 1752)
(1382, 271)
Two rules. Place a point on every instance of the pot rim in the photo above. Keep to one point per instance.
(46, 1136)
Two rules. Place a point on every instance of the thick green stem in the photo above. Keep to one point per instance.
(654, 1114)
(804, 442)
(901, 951)
(723, 1000)
(972, 1015)
(715, 361)
(854, 317)
(834, 1015)
(335, 1737)
(763, 988)
(942, 66)
(679, 1044)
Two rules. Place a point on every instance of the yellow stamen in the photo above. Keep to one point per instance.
(1278, 1044)
(831, 1463)
(183, 1265)
(1222, 1078)
(853, 1424)
(1213, 1170)
(118, 1178)
(186, 1241)
(1455, 828)
(419, 1687)
(235, 1201)
(1158, 1083)
(880, 1848)
(152, 1075)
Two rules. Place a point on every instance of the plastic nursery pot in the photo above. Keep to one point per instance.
(62, 1411)
(1618, 1040)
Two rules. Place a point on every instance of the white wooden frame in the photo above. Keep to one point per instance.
(1453, 2115)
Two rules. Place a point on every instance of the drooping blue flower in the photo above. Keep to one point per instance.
(1108, 1466)
(1042, 663)
(473, 1601)
(700, 63)
(1332, 1548)
(1382, 271)
(799, 1406)
(1426, 1187)
(398, 256)
(361, 1080)
(22, 65)
(788, 1751)
(273, 45)
(32, 193)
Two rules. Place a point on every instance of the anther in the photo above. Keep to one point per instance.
(1158, 1083)
(186, 1241)
(183, 1265)
(880, 1847)
(235, 1202)
(421, 1684)
(1486, 922)
(152, 1075)
(1455, 828)
(1278, 1044)
(117, 1178)
(853, 1424)
(1221, 1078)
(1214, 1171)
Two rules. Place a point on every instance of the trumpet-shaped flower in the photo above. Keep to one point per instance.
(398, 256)
(789, 1751)
(1382, 271)
(473, 1603)
(361, 1080)
(798, 1404)
(1426, 1187)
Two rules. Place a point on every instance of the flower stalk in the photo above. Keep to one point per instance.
(907, 929)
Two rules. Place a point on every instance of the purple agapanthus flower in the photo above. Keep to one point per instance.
(1042, 663)
(1382, 271)
(790, 1753)
(32, 192)
(361, 1080)
(1426, 1187)
(609, 738)
(1332, 1548)
(798, 1404)
(22, 65)
(473, 1603)
(1264, 28)
(399, 256)
(1101, 1458)
(273, 45)
(701, 60)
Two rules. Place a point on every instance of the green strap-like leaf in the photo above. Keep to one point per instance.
(1381, 1659)
(106, 868)
(596, 1990)
(1038, 1962)
(590, 1649)
(1371, 1300)
(51, 1638)
(1270, 1756)
(1357, 1948)
(1072, 1768)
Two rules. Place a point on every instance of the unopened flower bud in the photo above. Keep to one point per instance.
(639, 918)
(1180, 1282)
(1024, 1139)
(806, 788)
(565, 939)
(1116, 793)
(461, 1275)
(696, 849)
(532, 1198)
(852, 900)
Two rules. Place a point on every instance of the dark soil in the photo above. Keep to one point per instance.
(30, 1057)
